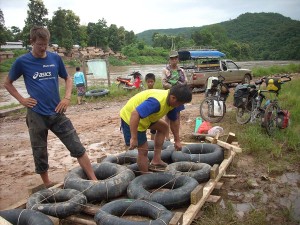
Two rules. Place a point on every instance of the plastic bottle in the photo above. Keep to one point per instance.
(198, 123)
(267, 103)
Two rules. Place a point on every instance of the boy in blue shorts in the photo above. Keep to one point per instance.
(144, 111)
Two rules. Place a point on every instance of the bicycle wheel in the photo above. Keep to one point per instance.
(243, 114)
(207, 110)
(270, 118)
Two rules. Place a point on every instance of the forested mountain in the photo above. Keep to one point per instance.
(268, 35)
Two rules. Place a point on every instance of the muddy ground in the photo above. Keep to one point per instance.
(98, 127)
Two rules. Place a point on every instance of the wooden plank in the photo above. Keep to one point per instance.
(176, 219)
(225, 145)
(54, 220)
(22, 203)
(214, 171)
(215, 139)
(99, 160)
(217, 188)
(192, 210)
(4, 221)
(90, 209)
(42, 186)
(226, 153)
(229, 176)
(197, 194)
(80, 220)
(230, 138)
(213, 199)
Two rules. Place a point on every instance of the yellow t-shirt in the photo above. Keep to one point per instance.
(160, 95)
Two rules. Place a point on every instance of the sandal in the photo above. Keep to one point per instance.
(157, 167)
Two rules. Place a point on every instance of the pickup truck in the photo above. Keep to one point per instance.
(200, 65)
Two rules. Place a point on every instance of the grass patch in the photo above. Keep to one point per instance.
(9, 106)
(216, 215)
(273, 70)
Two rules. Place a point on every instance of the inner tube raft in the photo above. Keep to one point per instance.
(96, 92)
(113, 180)
(25, 217)
(112, 213)
(202, 152)
(57, 202)
(148, 187)
(199, 171)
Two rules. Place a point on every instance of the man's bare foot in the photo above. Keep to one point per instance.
(50, 184)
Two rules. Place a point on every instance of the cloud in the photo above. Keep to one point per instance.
(139, 15)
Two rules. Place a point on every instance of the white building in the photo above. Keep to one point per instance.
(13, 45)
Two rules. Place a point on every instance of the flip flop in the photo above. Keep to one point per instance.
(158, 167)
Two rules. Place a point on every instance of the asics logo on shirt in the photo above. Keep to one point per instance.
(41, 75)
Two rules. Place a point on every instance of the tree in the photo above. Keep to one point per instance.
(202, 37)
(83, 36)
(162, 40)
(130, 37)
(115, 37)
(68, 22)
(98, 34)
(35, 16)
(2, 29)
(16, 33)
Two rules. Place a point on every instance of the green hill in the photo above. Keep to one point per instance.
(269, 35)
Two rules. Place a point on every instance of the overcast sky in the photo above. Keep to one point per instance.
(141, 15)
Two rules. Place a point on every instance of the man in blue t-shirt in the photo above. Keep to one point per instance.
(45, 110)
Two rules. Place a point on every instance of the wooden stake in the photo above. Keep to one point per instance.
(177, 219)
(197, 194)
(213, 199)
(4, 221)
(225, 145)
(80, 220)
(214, 171)
(230, 138)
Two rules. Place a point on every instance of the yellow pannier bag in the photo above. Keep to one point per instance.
(273, 84)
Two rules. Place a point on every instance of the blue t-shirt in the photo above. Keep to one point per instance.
(41, 79)
(151, 105)
(79, 78)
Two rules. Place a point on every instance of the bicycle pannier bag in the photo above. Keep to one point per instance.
(273, 84)
(218, 108)
(283, 117)
(240, 96)
(212, 82)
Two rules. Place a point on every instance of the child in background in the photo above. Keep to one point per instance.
(150, 81)
(79, 82)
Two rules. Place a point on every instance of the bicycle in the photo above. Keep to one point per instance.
(252, 109)
(213, 107)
